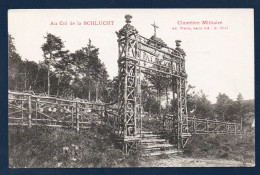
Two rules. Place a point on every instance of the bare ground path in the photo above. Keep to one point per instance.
(178, 161)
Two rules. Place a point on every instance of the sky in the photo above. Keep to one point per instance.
(217, 60)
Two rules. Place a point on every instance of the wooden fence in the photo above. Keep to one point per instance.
(29, 109)
(203, 126)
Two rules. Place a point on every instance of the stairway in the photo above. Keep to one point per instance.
(153, 145)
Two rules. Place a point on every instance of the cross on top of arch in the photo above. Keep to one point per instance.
(154, 26)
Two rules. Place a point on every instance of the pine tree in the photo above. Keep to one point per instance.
(14, 64)
(52, 52)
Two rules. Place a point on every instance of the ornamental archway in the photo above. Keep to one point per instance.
(137, 55)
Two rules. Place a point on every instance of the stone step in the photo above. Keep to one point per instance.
(168, 152)
(154, 145)
(166, 145)
(151, 144)
(154, 149)
(151, 149)
(149, 135)
(153, 140)
(147, 132)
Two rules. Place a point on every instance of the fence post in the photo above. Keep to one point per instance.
(235, 128)
(77, 116)
(72, 114)
(207, 125)
(194, 124)
(29, 111)
(22, 109)
(101, 110)
(36, 108)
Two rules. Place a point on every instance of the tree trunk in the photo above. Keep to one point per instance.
(49, 84)
(96, 92)
(167, 100)
(160, 107)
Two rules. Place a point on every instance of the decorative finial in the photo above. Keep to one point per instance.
(154, 26)
(128, 18)
(178, 43)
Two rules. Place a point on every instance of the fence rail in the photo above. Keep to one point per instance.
(202, 126)
(29, 109)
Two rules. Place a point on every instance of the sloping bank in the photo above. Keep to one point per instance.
(43, 147)
(228, 147)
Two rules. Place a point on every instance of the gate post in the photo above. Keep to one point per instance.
(29, 111)
(183, 127)
(129, 98)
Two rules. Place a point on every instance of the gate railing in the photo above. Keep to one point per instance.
(202, 126)
(207, 126)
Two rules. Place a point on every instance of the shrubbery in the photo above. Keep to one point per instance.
(222, 146)
(44, 147)
(152, 124)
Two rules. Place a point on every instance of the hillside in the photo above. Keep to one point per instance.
(44, 147)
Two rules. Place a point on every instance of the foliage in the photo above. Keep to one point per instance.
(14, 62)
(224, 109)
(199, 105)
(152, 124)
(222, 146)
(150, 98)
(53, 52)
(79, 74)
(157, 85)
(223, 106)
(44, 147)
(89, 74)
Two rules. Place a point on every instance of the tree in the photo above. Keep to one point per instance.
(52, 51)
(222, 106)
(160, 83)
(63, 73)
(149, 99)
(111, 90)
(89, 73)
(31, 74)
(198, 104)
(14, 64)
(191, 99)
(238, 106)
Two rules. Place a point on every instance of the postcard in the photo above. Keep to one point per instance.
(115, 88)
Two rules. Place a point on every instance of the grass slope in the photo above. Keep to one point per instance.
(222, 146)
(45, 147)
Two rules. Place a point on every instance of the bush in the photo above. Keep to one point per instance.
(222, 146)
(45, 147)
(152, 124)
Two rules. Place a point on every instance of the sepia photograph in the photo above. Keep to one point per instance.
(117, 88)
